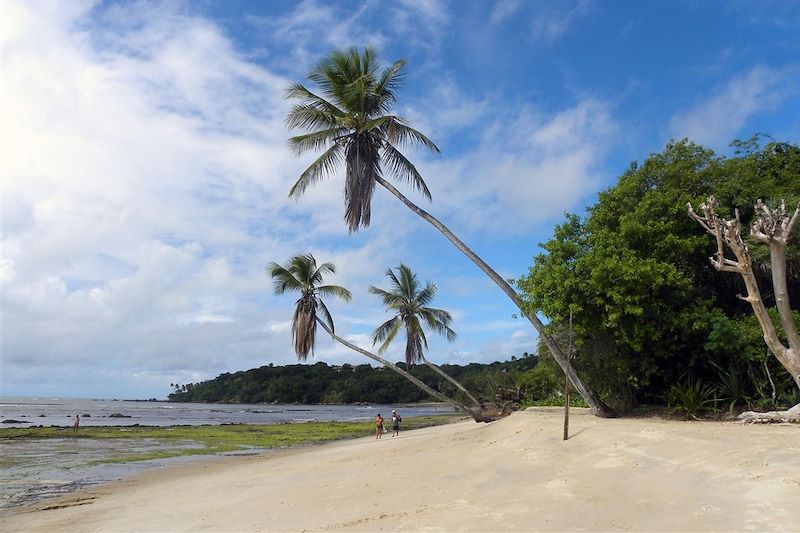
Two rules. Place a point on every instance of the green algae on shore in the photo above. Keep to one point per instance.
(208, 440)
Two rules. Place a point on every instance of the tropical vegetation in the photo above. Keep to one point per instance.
(350, 120)
(526, 379)
(652, 317)
(303, 276)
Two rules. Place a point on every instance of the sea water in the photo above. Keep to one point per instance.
(35, 469)
(60, 412)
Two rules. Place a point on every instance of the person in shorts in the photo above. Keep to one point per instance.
(396, 419)
(378, 426)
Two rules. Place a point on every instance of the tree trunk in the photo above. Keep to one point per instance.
(479, 414)
(771, 227)
(452, 380)
(566, 382)
(597, 406)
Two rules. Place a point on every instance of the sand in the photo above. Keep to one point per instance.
(513, 475)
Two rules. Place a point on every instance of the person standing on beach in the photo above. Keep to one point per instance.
(378, 426)
(396, 419)
(76, 423)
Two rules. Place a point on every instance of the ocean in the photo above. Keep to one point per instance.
(60, 412)
(37, 469)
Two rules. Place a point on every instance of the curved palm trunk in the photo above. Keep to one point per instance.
(452, 380)
(597, 406)
(479, 414)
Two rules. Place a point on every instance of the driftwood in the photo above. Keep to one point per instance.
(772, 417)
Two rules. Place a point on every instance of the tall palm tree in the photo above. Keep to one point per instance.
(351, 120)
(304, 276)
(410, 302)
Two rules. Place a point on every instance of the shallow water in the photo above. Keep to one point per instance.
(35, 469)
(60, 412)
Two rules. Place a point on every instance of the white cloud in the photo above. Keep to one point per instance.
(503, 9)
(144, 191)
(145, 175)
(716, 120)
(552, 20)
(526, 169)
(311, 29)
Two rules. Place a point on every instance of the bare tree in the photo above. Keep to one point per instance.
(772, 227)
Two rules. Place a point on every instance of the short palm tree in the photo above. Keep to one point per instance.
(408, 300)
(304, 276)
(351, 121)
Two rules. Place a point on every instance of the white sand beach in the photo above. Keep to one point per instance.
(513, 475)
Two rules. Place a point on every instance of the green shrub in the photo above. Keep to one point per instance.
(691, 398)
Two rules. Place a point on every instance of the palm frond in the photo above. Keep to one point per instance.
(399, 132)
(404, 170)
(389, 81)
(335, 290)
(408, 282)
(306, 97)
(362, 164)
(425, 296)
(316, 140)
(415, 339)
(386, 332)
(325, 268)
(324, 165)
(303, 267)
(304, 327)
(390, 299)
(395, 282)
(439, 321)
(326, 315)
(283, 280)
(308, 117)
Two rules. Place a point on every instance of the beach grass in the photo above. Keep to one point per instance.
(179, 441)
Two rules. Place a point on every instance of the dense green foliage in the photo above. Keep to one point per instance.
(516, 380)
(649, 310)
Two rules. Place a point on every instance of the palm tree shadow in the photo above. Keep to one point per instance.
(573, 435)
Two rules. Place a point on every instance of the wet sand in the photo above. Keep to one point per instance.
(513, 475)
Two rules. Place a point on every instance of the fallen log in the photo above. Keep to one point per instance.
(771, 417)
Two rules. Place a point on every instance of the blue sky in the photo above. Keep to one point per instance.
(145, 165)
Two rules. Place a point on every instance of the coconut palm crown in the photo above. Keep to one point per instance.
(350, 119)
(409, 302)
(304, 276)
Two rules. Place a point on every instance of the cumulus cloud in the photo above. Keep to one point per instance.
(526, 169)
(717, 119)
(145, 176)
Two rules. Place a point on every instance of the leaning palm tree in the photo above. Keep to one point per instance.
(351, 121)
(409, 303)
(302, 275)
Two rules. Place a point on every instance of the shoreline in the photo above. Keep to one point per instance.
(514, 474)
(47, 462)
